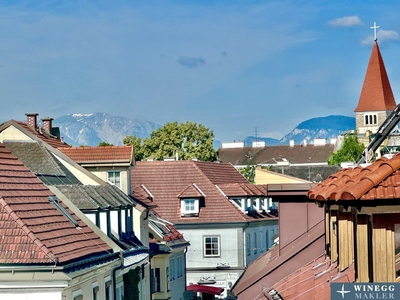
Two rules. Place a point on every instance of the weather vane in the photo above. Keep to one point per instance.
(374, 28)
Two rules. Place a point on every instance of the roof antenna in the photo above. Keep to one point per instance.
(256, 134)
(374, 28)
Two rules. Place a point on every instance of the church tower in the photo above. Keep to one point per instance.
(376, 100)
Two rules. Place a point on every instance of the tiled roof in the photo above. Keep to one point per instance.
(297, 154)
(243, 189)
(378, 181)
(166, 180)
(191, 191)
(35, 157)
(88, 197)
(41, 162)
(376, 93)
(32, 230)
(107, 154)
(312, 281)
(220, 173)
(42, 135)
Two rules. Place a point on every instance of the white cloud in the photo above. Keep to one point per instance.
(382, 35)
(349, 21)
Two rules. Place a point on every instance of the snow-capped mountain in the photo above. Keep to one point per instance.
(91, 129)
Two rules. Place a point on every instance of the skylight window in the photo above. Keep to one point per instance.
(53, 200)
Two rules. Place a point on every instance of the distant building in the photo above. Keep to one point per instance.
(306, 161)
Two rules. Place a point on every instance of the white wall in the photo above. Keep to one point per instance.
(260, 232)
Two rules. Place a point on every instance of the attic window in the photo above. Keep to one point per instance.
(190, 207)
(62, 210)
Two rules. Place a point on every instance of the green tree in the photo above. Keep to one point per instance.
(103, 144)
(349, 152)
(249, 172)
(136, 143)
(187, 140)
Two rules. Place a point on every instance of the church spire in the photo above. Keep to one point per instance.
(376, 93)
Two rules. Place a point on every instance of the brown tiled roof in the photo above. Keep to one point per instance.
(243, 189)
(297, 154)
(106, 154)
(275, 265)
(43, 135)
(378, 181)
(166, 180)
(32, 230)
(376, 93)
(220, 173)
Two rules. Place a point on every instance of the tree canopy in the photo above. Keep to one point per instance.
(104, 144)
(349, 152)
(186, 140)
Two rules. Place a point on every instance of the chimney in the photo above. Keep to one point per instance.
(47, 124)
(32, 120)
(291, 143)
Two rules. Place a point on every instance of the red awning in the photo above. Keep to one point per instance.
(204, 289)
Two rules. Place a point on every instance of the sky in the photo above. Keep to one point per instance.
(240, 68)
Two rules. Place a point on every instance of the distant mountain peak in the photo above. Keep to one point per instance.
(92, 128)
(329, 127)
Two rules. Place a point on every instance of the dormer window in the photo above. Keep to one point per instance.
(190, 207)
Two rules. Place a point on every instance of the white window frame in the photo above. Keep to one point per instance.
(205, 243)
(112, 179)
(193, 210)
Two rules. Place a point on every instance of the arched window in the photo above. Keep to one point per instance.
(366, 120)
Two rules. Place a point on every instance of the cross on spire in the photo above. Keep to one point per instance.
(374, 28)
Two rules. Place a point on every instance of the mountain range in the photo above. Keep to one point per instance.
(91, 129)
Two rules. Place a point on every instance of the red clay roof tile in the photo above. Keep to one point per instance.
(99, 154)
(380, 180)
(32, 230)
(166, 180)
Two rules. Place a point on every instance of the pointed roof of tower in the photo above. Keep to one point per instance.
(376, 93)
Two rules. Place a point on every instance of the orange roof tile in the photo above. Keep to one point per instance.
(376, 93)
(380, 180)
(32, 230)
(100, 154)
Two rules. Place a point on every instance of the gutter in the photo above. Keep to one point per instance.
(121, 265)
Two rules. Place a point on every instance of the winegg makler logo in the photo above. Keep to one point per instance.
(353, 291)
